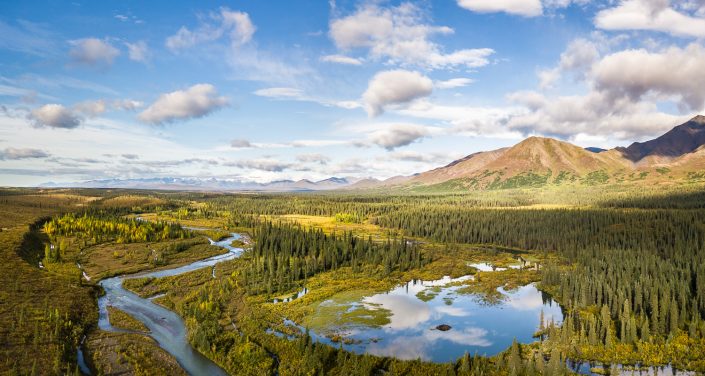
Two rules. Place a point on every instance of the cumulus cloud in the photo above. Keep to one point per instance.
(138, 51)
(526, 8)
(453, 83)
(341, 59)
(197, 101)
(672, 72)
(241, 143)
(400, 35)
(93, 51)
(234, 25)
(313, 158)
(131, 156)
(626, 90)
(25, 153)
(577, 58)
(595, 113)
(395, 87)
(398, 135)
(654, 15)
(54, 116)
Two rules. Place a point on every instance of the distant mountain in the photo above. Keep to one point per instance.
(539, 161)
(210, 184)
(680, 140)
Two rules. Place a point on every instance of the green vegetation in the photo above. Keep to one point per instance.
(121, 319)
(625, 264)
(135, 354)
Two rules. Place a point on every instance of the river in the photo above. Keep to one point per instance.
(165, 326)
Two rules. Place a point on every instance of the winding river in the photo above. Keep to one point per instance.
(165, 326)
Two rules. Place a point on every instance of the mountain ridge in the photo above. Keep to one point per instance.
(537, 161)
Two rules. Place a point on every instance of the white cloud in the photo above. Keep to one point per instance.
(237, 26)
(54, 116)
(264, 164)
(341, 59)
(240, 26)
(246, 60)
(400, 35)
(413, 156)
(398, 135)
(395, 87)
(673, 72)
(313, 158)
(93, 51)
(241, 144)
(316, 143)
(91, 108)
(197, 101)
(654, 15)
(280, 92)
(466, 120)
(595, 113)
(526, 8)
(25, 153)
(577, 58)
(126, 104)
(453, 83)
(138, 51)
(290, 93)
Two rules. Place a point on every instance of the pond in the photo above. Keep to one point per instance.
(411, 313)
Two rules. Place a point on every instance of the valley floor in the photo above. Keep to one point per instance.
(622, 264)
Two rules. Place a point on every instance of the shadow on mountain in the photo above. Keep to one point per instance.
(681, 140)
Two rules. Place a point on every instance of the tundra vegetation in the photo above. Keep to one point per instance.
(624, 262)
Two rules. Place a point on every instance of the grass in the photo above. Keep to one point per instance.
(330, 225)
(104, 260)
(129, 354)
(123, 320)
(34, 301)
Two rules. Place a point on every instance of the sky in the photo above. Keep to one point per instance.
(272, 90)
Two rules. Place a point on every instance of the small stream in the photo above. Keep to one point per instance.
(166, 327)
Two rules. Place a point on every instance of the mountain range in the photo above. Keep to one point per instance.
(211, 184)
(678, 155)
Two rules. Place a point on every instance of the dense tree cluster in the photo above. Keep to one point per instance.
(110, 228)
(568, 231)
(285, 254)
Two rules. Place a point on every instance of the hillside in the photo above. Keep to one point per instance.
(677, 142)
(537, 161)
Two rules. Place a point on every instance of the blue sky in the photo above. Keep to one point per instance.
(311, 89)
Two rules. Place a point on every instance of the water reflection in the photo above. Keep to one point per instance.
(415, 310)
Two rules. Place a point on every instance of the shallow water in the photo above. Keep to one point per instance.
(476, 326)
(587, 368)
(165, 326)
